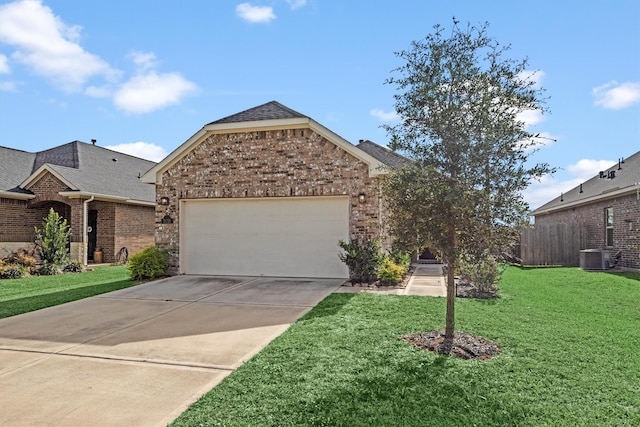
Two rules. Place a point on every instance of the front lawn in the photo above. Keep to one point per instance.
(33, 293)
(570, 356)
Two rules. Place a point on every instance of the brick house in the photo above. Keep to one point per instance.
(98, 192)
(606, 211)
(267, 191)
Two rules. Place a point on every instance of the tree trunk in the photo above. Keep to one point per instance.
(451, 285)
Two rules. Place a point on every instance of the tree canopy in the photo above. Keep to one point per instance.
(460, 100)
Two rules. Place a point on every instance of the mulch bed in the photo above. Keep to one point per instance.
(381, 285)
(464, 345)
(465, 290)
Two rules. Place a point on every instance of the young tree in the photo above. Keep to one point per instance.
(460, 103)
(54, 240)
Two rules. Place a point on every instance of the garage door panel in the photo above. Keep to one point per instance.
(277, 237)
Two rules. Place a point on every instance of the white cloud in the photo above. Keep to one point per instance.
(144, 60)
(145, 93)
(549, 187)
(295, 4)
(382, 116)
(4, 65)
(585, 169)
(615, 96)
(255, 14)
(48, 46)
(144, 150)
(530, 117)
(535, 76)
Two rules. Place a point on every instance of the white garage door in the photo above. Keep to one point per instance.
(292, 237)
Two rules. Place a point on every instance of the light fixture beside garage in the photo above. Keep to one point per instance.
(164, 201)
(362, 197)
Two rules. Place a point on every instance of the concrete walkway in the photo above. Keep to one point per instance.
(140, 356)
(426, 280)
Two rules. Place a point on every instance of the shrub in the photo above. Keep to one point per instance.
(13, 271)
(73, 267)
(21, 257)
(152, 262)
(54, 239)
(362, 258)
(483, 273)
(48, 269)
(390, 273)
(401, 258)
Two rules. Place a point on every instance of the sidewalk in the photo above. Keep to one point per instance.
(427, 280)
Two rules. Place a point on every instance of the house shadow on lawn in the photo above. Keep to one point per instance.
(435, 392)
(17, 306)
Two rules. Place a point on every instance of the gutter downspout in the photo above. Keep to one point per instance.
(84, 229)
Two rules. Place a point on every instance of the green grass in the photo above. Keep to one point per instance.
(570, 356)
(19, 296)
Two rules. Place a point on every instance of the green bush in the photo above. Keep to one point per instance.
(362, 258)
(483, 273)
(48, 269)
(152, 262)
(390, 273)
(54, 240)
(73, 267)
(13, 271)
(400, 258)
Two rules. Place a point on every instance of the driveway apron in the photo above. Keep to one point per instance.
(140, 356)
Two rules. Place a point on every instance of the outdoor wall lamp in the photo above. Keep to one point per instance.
(362, 198)
(164, 201)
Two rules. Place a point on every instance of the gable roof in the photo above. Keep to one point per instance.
(384, 154)
(269, 116)
(270, 111)
(617, 180)
(87, 170)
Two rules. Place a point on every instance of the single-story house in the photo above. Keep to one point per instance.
(98, 191)
(267, 191)
(606, 210)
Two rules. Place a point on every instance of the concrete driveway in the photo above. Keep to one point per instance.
(140, 356)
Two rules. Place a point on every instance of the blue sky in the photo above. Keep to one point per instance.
(142, 76)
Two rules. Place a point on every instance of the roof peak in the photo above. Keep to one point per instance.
(272, 110)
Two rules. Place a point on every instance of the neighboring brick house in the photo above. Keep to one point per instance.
(606, 209)
(98, 191)
(267, 191)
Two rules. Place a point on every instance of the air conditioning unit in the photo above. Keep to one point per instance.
(594, 259)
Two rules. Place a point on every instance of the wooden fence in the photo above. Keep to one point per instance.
(552, 244)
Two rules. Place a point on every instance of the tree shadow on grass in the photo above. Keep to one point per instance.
(432, 392)
(36, 302)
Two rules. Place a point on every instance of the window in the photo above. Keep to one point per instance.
(608, 223)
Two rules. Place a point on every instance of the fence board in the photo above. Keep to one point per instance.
(552, 244)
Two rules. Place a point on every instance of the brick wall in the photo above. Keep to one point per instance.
(134, 228)
(276, 163)
(626, 225)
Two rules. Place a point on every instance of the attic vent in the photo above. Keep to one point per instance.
(114, 159)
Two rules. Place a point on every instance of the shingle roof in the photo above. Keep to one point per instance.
(383, 154)
(270, 111)
(90, 168)
(619, 177)
(15, 167)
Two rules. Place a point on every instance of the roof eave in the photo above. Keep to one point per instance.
(42, 171)
(16, 196)
(588, 200)
(105, 198)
